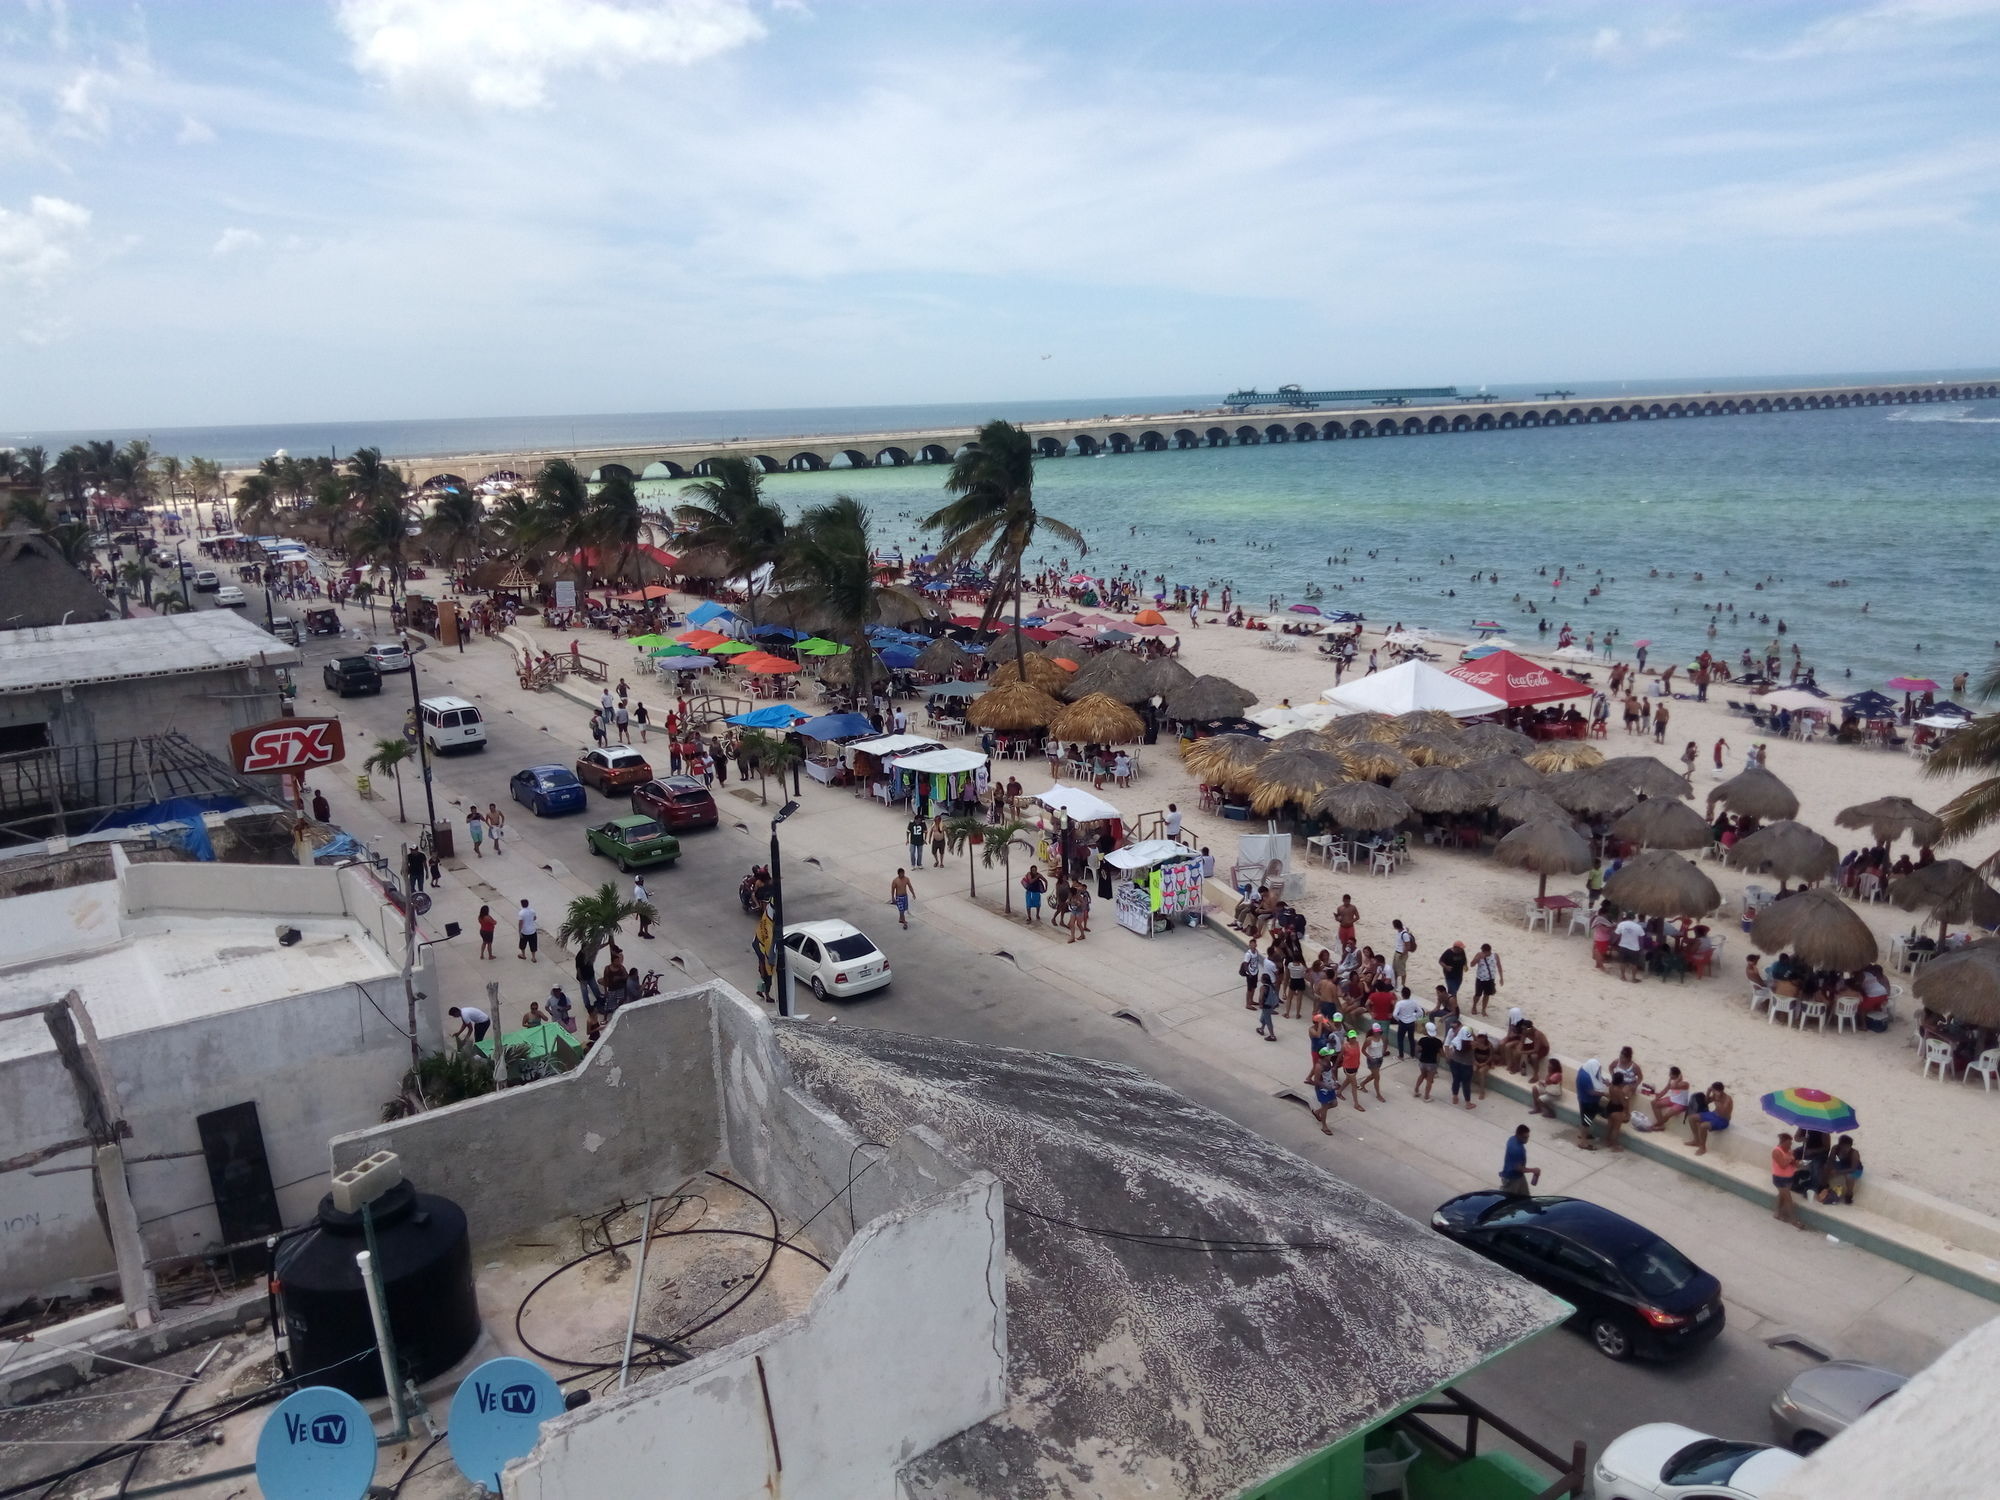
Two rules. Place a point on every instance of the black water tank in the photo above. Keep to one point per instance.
(424, 1259)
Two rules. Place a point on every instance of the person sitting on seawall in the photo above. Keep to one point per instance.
(1843, 1170)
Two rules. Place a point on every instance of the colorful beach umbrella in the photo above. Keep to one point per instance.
(730, 648)
(1313, 609)
(700, 639)
(1911, 685)
(673, 648)
(1811, 1109)
(814, 645)
(765, 666)
(650, 642)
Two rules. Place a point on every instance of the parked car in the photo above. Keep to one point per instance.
(835, 958)
(1827, 1399)
(544, 790)
(1633, 1292)
(680, 802)
(614, 769)
(389, 656)
(205, 581)
(322, 622)
(1665, 1461)
(286, 629)
(229, 596)
(633, 840)
(346, 675)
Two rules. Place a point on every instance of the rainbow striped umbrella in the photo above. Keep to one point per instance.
(1811, 1109)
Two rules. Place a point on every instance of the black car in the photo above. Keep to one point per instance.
(1634, 1292)
(352, 674)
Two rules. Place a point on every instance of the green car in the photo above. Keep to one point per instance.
(633, 840)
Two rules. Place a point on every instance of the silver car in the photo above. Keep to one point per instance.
(1828, 1398)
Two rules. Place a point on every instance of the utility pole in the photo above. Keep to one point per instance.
(781, 973)
(423, 745)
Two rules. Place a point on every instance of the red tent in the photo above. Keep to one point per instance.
(1517, 680)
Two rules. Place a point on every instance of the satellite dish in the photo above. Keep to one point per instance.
(497, 1416)
(317, 1445)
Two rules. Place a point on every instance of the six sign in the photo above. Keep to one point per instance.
(287, 745)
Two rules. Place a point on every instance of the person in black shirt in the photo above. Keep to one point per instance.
(1452, 962)
(1429, 1047)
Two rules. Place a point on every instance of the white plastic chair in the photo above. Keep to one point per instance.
(1579, 918)
(1781, 1009)
(1383, 1471)
(1986, 1065)
(1814, 1011)
(1384, 863)
(1538, 913)
(1762, 996)
(1846, 1014)
(1869, 886)
(1937, 1055)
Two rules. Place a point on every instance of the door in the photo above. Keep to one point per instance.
(246, 1205)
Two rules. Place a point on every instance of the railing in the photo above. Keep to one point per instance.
(1572, 1474)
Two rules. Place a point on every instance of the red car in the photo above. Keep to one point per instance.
(679, 802)
(613, 769)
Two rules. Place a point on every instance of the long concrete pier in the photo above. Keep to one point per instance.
(1215, 427)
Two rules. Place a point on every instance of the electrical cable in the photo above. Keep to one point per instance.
(411, 1467)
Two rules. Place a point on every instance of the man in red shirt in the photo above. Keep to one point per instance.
(1382, 1000)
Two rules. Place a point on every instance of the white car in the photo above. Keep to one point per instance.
(1665, 1461)
(230, 596)
(834, 959)
(205, 581)
(388, 656)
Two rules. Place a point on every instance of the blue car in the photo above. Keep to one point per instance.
(546, 790)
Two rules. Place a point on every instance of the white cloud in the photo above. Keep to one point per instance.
(232, 241)
(81, 104)
(194, 132)
(40, 245)
(502, 53)
(1894, 23)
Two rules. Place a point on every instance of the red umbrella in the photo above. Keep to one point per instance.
(1911, 685)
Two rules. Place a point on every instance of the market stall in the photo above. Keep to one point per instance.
(827, 733)
(869, 760)
(1156, 881)
(939, 778)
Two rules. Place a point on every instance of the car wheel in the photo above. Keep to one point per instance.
(539, 807)
(1612, 1338)
(624, 866)
(1807, 1442)
(818, 989)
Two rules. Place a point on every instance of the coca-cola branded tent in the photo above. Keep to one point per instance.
(1517, 681)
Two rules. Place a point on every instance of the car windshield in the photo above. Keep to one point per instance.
(1710, 1461)
(853, 946)
(555, 780)
(634, 833)
(1657, 1269)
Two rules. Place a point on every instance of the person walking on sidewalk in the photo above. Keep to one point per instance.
(487, 927)
(529, 925)
(415, 864)
(646, 913)
(475, 829)
(1458, 1057)
(623, 718)
(1487, 977)
(1032, 885)
(937, 840)
(914, 832)
(1515, 1173)
(1350, 1069)
(1401, 946)
(1784, 1175)
(1324, 1080)
(1079, 911)
(1451, 963)
(900, 891)
(496, 827)
(1269, 998)
(1252, 970)
(1374, 1052)
(1428, 1049)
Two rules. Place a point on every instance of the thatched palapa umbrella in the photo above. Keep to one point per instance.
(1429, 748)
(1564, 755)
(1790, 851)
(1585, 792)
(844, 668)
(1817, 928)
(1646, 776)
(1224, 760)
(1371, 761)
(1294, 772)
(1115, 674)
(1357, 729)
(1443, 789)
(1526, 804)
(1208, 698)
(1164, 675)
(1756, 793)
(1363, 807)
(1505, 771)
(1427, 721)
(1041, 673)
(1012, 706)
(1549, 846)
(942, 657)
(1656, 883)
(1663, 823)
(1965, 984)
(1098, 720)
(1496, 739)
(1955, 893)
(1889, 818)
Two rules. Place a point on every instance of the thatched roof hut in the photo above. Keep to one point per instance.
(1164, 674)
(1372, 761)
(1889, 818)
(1527, 804)
(1548, 846)
(1965, 984)
(1427, 747)
(1208, 698)
(1012, 706)
(1442, 789)
(1098, 719)
(1364, 728)
(1955, 894)
(1427, 721)
(1503, 770)
(1116, 674)
(1496, 739)
(1646, 776)
(1790, 851)
(1657, 883)
(942, 657)
(1042, 673)
(1556, 756)
(1817, 928)
(1362, 807)
(1294, 772)
(1584, 792)
(1225, 760)
(1756, 793)
(1663, 823)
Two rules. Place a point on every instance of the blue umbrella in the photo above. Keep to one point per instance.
(900, 657)
(835, 727)
(708, 610)
(777, 716)
(778, 633)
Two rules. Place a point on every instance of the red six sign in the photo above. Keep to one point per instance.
(287, 745)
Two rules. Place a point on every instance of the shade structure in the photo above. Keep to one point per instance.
(701, 640)
(672, 648)
(1646, 776)
(1208, 698)
(1116, 674)
(651, 642)
(1547, 846)
(1817, 928)
(1529, 805)
(1587, 793)
(1790, 851)
(1889, 818)
(765, 666)
(954, 691)
(1496, 739)
(731, 648)
(1505, 771)
(1012, 706)
(1355, 729)
(1663, 823)
(1798, 700)
(1002, 647)
(836, 727)
(1295, 772)
(814, 645)
(1656, 883)
(1442, 789)
(1149, 617)
(1422, 720)
(640, 596)
(1953, 892)
(1224, 760)
(772, 716)
(1164, 674)
(1911, 685)
(709, 610)
(683, 663)
(1041, 672)
(1516, 681)
(1811, 1109)
(1362, 806)
(1429, 748)
(1411, 686)
(1098, 720)
(1082, 805)
(1371, 761)
(942, 657)
(1756, 793)
(943, 761)
(1564, 755)
(1965, 984)
(848, 668)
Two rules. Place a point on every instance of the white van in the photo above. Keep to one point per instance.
(453, 724)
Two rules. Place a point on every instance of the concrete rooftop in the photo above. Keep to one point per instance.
(118, 650)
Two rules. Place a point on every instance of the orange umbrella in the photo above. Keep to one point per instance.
(1064, 662)
(651, 591)
(1149, 617)
(765, 665)
(701, 640)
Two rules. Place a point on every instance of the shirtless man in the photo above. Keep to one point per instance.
(1711, 1113)
(900, 892)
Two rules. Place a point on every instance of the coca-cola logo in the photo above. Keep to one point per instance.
(287, 745)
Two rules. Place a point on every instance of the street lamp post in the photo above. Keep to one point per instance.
(423, 746)
(180, 572)
(781, 973)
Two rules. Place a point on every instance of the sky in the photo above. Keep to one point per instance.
(232, 211)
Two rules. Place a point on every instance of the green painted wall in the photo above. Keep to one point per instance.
(1335, 1474)
(1331, 1474)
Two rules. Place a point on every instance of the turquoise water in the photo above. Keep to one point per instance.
(1896, 501)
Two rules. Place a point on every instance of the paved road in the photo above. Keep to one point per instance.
(1557, 1388)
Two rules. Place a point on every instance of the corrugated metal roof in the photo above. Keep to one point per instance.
(127, 650)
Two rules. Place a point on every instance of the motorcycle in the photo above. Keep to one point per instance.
(754, 890)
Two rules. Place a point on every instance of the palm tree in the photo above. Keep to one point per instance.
(381, 534)
(69, 476)
(520, 528)
(31, 508)
(256, 504)
(773, 755)
(457, 525)
(1976, 747)
(172, 475)
(370, 477)
(727, 513)
(1000, 839)
(830, 565)
(332, 507)
(596, 919)
(138, 574)
(563, 496)
(617, 519)
(390, 754)
(994, 518)
(74, 541)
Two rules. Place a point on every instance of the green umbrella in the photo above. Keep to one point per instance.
(730, 648)
(813, 645)
(674, 648)
(650, 642)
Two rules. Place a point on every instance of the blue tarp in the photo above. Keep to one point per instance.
(340, 846)
(900, 657)
(835, 727)
(777, 716)
(186, 811)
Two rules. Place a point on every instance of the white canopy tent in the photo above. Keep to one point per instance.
(940, 762)
(1413, 685)
(892, 744)
(1147, 852)
(1078, 803)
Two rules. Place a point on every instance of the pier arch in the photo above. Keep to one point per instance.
(1087, 446)
(891, 457)
(1333, 431)
(1119, 442)
(1217, 438)
(1441, 424)
(1485, 422)
(1186, 437)
(1152, 442)
(1246, 435)
(1305, 432)
(604, 471)
(1277, 432)
(1413, 426)
(438, 483)
(936, 453)
(663, 468)
(1048, 447)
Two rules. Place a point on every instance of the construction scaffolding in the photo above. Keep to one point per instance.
(63, 790)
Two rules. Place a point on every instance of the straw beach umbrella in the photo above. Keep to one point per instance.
(1755, 793)
(1505, 770)
(1164, 675)
(1496, 739)
(1817, 928)
(1363, 807)
(1012, 706)
(1889, 818)
(1041, 673)
(1657, 883)
(1371, 761)
(1663, 823)
(1548, 846)
(1225, 759)
(1790, 851)
(1965, 984)
(1564, 755)
(1585, 792)
(1427, 721)
(1955, 894)
(942, 657)
(1444, 789)
(1526, 804)
(1098, 719)
(1427, 747)
(1293, 772)
(1354, 729)
(1646, 776)
(1116, 674)
(1208, 698)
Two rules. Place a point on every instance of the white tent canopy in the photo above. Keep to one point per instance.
(1149, 852)
(892, 744)
(1079, 804)
(1798, 700)
(1413, 685)
(940, 762)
